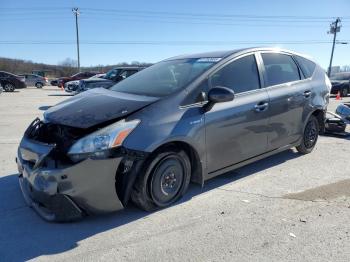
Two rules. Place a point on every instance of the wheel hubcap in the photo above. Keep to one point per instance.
(8, 87)
(167, 181)
(310, 135)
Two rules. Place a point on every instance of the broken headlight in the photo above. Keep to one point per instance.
(98, 143)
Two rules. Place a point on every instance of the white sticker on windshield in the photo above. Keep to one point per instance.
(208, 59)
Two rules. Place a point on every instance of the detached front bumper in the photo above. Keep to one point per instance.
(66, 193)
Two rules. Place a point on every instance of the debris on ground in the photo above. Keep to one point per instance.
(292, 235)
(302, 220)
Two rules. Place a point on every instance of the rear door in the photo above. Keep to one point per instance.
(289, 98)
(237, 130)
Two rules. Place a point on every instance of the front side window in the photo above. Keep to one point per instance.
(165, 78)
(241, 75)
(279, 69)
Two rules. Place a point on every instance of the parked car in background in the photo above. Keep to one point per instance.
(62, 80)
(187, 118)
(54, 82)
(35, 80)
(112, 77)
(10, 82)
(1, 89)
(73, 85)
(341, 83)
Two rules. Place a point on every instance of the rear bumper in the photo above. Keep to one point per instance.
(66, 193)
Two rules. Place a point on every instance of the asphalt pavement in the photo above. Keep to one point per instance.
(288, 207)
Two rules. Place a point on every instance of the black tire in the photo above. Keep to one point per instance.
(165, 179)
(39, 85)
(8, 87)
(310, 136)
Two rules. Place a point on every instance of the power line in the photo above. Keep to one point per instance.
(172, 43)
(167, 13)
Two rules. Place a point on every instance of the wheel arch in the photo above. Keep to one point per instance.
(320, 116)
(319, 113)
(125, 183)
(196, 164)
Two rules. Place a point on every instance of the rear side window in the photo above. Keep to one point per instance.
(307, 66)
(241, 75)
(279, 69)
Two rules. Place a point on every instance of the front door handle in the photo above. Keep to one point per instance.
(307, 93)
(262, 106)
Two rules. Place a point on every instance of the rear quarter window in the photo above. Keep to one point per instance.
(306, 66)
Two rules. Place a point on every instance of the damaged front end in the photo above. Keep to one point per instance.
(62, 182)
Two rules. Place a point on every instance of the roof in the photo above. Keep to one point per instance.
(129, 67)
(223, 54)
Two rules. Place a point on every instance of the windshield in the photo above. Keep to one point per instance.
(341, 77)
(112, 73)
(165, 78)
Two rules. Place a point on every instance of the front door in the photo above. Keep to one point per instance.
(237, 130)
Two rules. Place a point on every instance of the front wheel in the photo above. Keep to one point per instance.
(39, 85)
(310, 136)
(8, 87)
(165, 179)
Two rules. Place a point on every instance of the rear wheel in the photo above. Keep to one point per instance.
(39, 85)
(8, 87)
(165, 179)
(310, 136)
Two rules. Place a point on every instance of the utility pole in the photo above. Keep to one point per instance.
(77, 13)
(335, 28)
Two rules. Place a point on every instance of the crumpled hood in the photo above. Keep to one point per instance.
(94, 107)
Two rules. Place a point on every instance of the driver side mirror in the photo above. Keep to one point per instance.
(220, 94)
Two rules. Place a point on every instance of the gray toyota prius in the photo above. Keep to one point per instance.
(185, 119)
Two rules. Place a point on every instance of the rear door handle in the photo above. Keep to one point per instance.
(262, 106)
(307, 93)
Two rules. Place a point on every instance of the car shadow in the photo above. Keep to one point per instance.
(345, 135)
(60, 95)
(44, 108)
(14, 91)
(25, 236)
